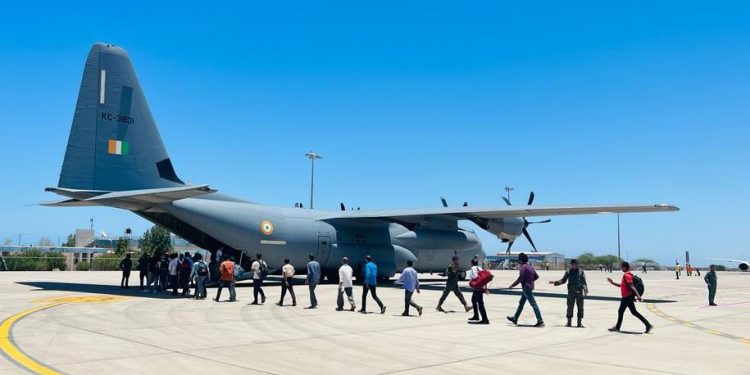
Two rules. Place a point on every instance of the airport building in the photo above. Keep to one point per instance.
(556, 261)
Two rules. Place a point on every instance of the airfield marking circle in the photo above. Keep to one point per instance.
(652, 307)
(8, 346)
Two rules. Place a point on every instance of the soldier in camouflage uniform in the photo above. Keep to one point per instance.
(451, 285)
(577, 290)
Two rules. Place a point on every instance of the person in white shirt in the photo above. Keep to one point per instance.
(477, 297)
(173, 263)
(287, 283)
(259, 269)
(345, 285)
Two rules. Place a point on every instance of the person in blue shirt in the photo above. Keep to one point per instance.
(370, 284)
(410, 280)
(312, 280)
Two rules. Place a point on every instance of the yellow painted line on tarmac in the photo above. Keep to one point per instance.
(14, 353)
(652, 307)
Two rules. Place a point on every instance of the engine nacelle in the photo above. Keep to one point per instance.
(507, 229)
(744, 267)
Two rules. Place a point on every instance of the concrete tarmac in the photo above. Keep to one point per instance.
(50, 328)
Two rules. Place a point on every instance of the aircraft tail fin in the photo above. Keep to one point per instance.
(114, 144)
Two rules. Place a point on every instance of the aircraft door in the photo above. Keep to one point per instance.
(324, 249)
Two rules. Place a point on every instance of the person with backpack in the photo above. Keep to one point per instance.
(477, 296)
(451, 285)
(711, 281)
(260, 272)
(629, 294)
(312, 280)
(346, 273)
(126, 264)
(226, 269)
(183, 274)
(201, 274)
(577, 291)
(526, 277)
(370, 285)
(287, 283)
(410, 280)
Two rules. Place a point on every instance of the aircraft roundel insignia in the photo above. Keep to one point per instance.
(266, 227)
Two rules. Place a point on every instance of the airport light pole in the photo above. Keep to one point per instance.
(312, 156)
(508, 189)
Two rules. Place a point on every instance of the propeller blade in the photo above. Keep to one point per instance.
(528, 237)
(445, 203)
(343, 208)
(541, 222)
(531, 198)
(510, 244)
(507, 201)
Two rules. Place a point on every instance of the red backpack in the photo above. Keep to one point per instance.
(483, 278)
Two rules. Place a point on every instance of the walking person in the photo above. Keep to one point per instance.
(201, 274)
(629, 294)
(451, 285)
(345, 285)
(260, 271)
(125, 265)
(526, 277)
(287, 283)
(226, 269)
(677, 270)
(370, 285)
(577, 291)
(312, 280)
(477, 296)
(410, 280)
(143, 269)
(711, 281)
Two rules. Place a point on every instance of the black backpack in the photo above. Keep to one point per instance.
(202, 269)
(263, 269)
(638, 284)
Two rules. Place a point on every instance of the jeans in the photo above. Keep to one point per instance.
(452, 288)
(575, 298)
(409, 302)
(629, 303)
(125, 278)
(230, 285)
(528, 294)
(200, 287)
(340, 299)
(287, 284)
(477, 302)
(372, 289)
(313, 299)
(258, 289)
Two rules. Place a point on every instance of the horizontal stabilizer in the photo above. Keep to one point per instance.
(134, 200)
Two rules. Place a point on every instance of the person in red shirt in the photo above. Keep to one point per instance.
(628, 294)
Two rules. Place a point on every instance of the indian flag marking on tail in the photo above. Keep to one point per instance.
(118, 147)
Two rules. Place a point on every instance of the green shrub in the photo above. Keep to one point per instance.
(83, 266)
(35, 260)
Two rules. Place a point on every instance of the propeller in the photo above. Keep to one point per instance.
(445, 202)
(526, 224)
(343, 207)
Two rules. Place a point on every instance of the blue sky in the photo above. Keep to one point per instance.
(588, 103)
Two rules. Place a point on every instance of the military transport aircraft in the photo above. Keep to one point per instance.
(744, 265)
(115, 157)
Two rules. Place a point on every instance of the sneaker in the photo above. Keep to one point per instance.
(420, 309)
(539, 324)
(404, 314)
(361, 311)
(382, 309)
(262, 299)
(614, 329)
(339, 309)
(712, 304)
(440, 309)
(353, 308)
(294, 304)
(474, 318)
(254, 303)
(649, 328)
(279, 304)
(480, 322)
(468, 308)
(512, 319)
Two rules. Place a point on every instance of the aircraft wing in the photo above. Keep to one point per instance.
(417, 216)
(135, 200)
